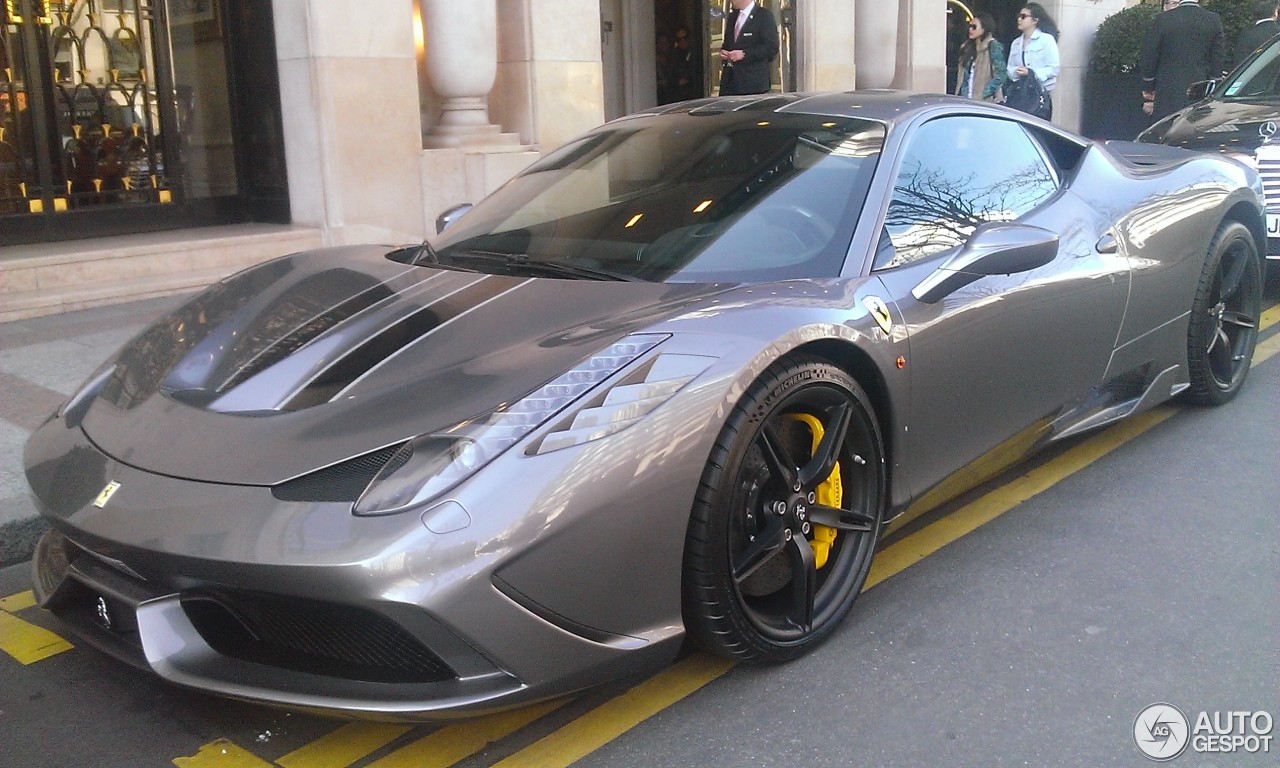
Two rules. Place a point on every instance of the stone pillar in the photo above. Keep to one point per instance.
(922, 46)
(825, 60)
(876, 42)
(349, 97)
(462, 64)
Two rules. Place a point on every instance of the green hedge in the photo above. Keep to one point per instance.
(1118, 42)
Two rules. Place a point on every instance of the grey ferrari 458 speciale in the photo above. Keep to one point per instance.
(669, 383)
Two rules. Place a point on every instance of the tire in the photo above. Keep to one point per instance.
(1223, 329)
(799, 462)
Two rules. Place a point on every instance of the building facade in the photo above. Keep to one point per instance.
(152, 146)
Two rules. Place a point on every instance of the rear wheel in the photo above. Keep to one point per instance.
(786, 517)
(1223, 329)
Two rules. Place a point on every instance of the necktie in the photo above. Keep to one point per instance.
(737, 28)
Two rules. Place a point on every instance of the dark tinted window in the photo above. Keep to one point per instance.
(1260, 78)
(958, 173)
(725, 197)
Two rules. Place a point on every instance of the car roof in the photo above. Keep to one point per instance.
(883, 105)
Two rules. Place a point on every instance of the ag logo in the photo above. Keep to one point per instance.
(105, 495)
(1161, 731)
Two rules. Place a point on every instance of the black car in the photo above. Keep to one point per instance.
(1238, 116)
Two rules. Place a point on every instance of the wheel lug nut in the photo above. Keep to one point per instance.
(805, 528)
(812, 497)
(796, 487)
(787, 534)
(780, 507)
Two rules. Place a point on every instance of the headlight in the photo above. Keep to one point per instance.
(431, 464)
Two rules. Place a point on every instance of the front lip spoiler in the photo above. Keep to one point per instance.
(161, 639)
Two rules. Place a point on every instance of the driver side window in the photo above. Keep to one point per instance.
(958, 173)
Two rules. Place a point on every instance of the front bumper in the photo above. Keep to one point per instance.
(229, 590)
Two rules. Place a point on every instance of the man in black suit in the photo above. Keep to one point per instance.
(1263, 29)
(1182, 46)
(750, 43)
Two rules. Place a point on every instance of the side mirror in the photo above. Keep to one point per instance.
(995, 248)
(1201, 90)
(447, 219)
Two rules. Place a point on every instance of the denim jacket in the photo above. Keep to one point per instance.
(1041, 57)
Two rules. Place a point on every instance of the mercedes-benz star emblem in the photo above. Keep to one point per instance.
(1267, 130)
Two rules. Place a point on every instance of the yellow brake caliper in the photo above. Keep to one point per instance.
(829, 492)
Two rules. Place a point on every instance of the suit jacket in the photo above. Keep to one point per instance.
(758, 42)
(1181, 46)
(1254, 37)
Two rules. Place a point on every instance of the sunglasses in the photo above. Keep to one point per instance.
(1025, 16)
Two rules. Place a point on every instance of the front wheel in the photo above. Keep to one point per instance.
(786, 517)
(1223, 329)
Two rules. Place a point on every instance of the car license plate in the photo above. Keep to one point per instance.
(1273, 225)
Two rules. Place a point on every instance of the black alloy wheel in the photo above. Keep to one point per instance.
(1223, 329)
(787, 515)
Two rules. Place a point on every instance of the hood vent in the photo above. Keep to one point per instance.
(311, 313)
(381, 347)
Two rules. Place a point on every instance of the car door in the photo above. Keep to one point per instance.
(993, 363)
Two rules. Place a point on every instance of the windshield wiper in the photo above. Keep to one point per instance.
(562, 269)
(522, 263)
(424, 255)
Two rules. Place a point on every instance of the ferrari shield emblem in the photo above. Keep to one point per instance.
(879, 313)
(105, 495)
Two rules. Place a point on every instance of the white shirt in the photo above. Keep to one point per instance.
(742, 19)
(1041, 57)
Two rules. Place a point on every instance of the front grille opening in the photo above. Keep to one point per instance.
(340, 483)
(314, 637)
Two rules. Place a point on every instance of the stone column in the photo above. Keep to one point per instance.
(876, 42)
(462, 64)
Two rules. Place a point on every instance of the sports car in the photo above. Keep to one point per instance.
(669, 384)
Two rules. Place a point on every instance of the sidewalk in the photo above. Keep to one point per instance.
(42, 362)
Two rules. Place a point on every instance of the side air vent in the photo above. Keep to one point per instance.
(339, 483)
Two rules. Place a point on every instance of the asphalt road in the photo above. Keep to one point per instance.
(1146, 572)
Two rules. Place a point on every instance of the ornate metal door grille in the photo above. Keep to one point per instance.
(82, 125)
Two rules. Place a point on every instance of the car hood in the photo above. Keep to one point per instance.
(1215, 124)
(308, 360)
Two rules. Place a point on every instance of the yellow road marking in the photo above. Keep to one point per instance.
(1266, 349)
(605, 723)
(910, 550)
(344, 746)
(18, 602)
(221, 754)
(26, 642)
(1269, 318)
(455, 743)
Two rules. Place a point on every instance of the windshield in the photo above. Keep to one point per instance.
(1259, 78)
(723, 197)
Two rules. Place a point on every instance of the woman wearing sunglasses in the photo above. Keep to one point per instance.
(1036, 49)
(981, 70)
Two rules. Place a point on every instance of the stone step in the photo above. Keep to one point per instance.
(47, 278)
